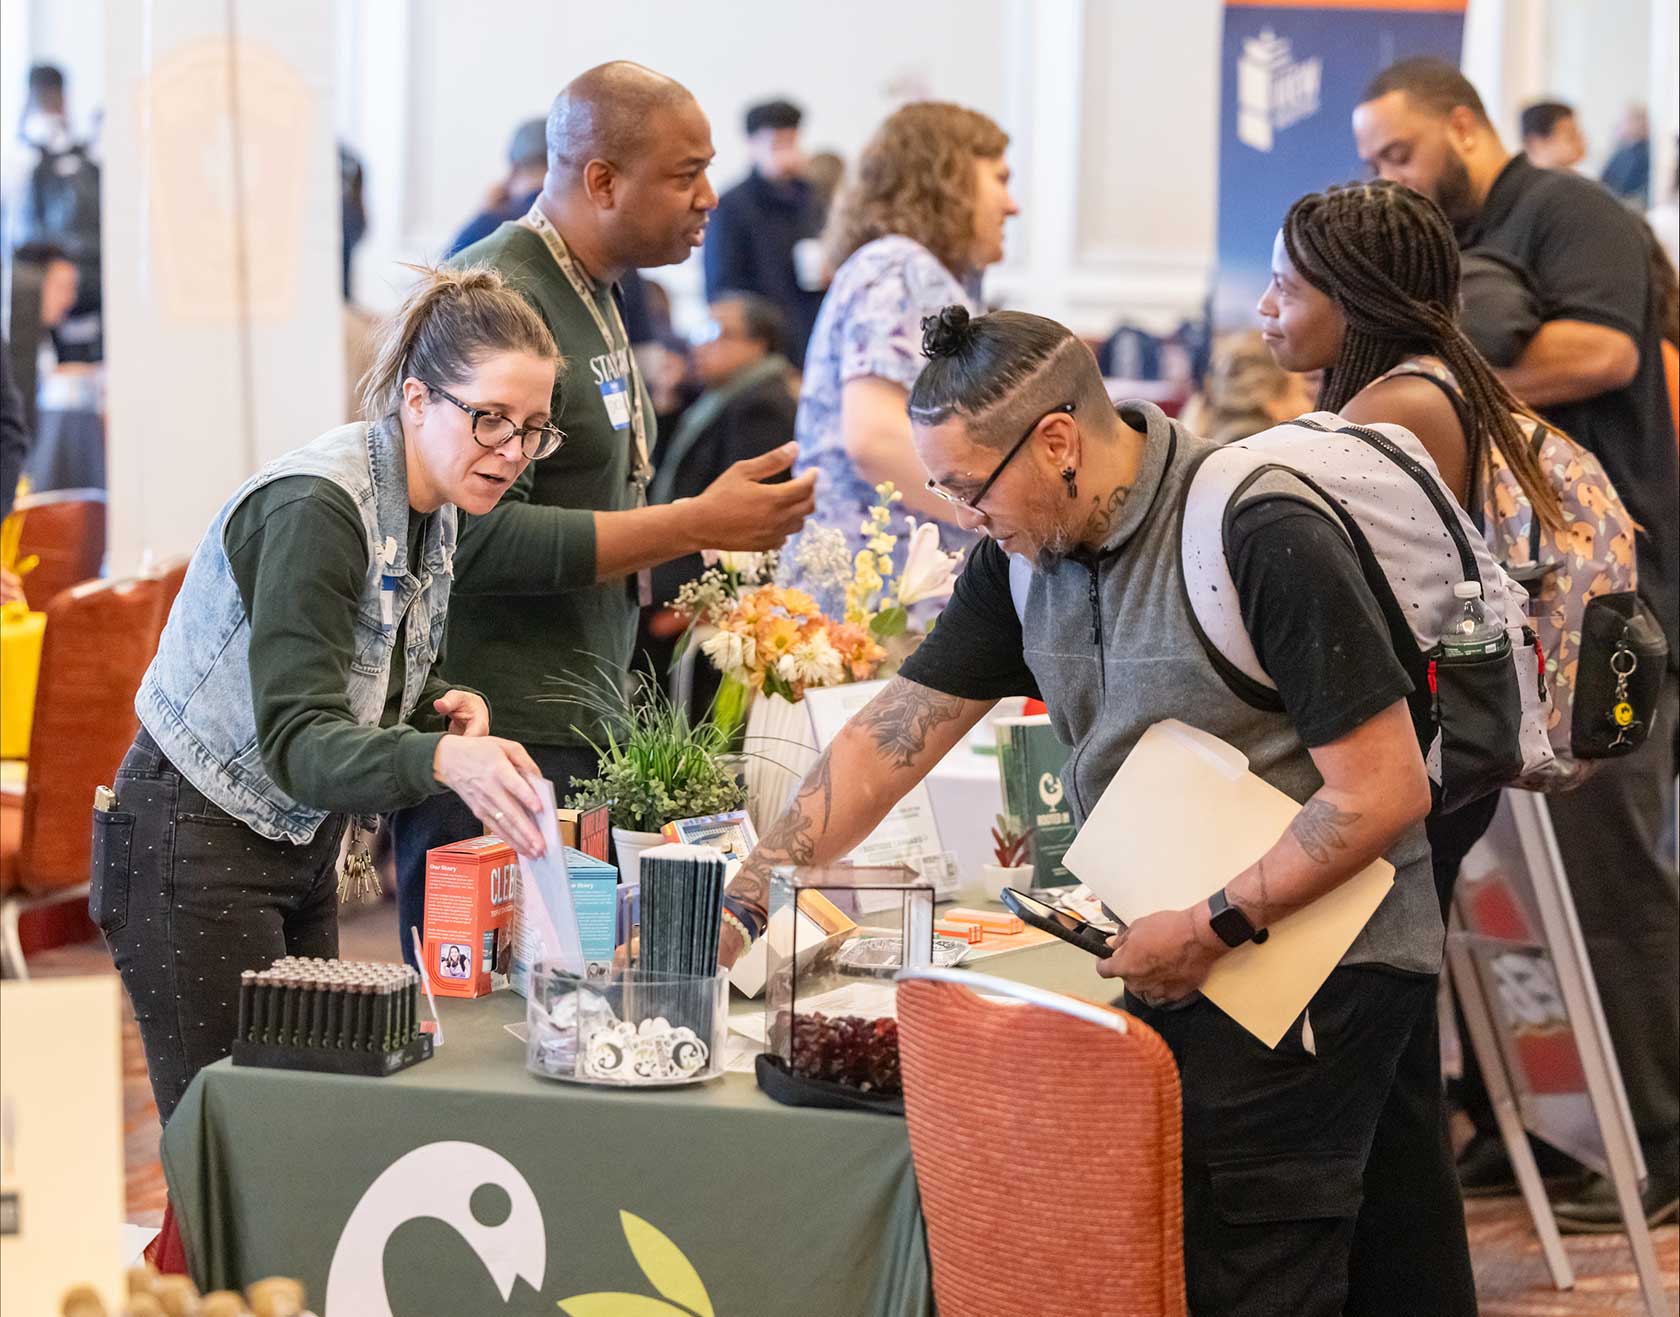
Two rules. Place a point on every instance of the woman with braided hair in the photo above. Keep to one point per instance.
(1365, 280)
(1365, 288)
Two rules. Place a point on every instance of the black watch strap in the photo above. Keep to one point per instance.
(1230, 924)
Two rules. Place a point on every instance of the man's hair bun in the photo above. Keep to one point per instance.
(946, 334)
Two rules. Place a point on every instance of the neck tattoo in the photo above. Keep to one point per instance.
(1104, 514)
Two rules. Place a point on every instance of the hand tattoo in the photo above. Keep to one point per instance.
(1318, 829)
(901, 717)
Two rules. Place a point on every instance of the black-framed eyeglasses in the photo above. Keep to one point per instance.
(972, 503)
(492, 429)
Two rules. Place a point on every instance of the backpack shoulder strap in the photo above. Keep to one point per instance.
(1447, 383)
(1211, 488)
(1215, 489)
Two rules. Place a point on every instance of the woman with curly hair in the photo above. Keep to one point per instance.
(920, 219)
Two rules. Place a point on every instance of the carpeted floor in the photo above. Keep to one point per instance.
(1511, 1276)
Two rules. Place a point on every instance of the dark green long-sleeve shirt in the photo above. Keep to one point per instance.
(300, 559)
(525, 606)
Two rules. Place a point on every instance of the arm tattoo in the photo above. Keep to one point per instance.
(791, 839)
(1318, 829)
(900, 718)
(1263, 908)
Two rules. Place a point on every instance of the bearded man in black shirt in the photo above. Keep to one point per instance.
(1594, 370)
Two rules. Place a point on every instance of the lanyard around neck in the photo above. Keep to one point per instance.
(583, 286)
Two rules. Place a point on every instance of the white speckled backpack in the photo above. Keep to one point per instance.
(1481, 721)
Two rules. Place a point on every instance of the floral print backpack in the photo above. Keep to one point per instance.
(1604, 652)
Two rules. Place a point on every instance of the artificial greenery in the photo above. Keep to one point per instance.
(656, 765)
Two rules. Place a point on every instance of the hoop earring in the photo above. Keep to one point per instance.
(1071, 480)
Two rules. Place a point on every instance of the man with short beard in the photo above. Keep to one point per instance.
(1594, 370)
(1079, 505)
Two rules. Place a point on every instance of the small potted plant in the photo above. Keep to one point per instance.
(1014, 867)
(655, 766)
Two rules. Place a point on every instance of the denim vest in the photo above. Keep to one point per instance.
(1110, 642)
(195, 698)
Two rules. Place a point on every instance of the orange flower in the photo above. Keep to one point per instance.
(798, 604)
(776, 636)
(857, 649)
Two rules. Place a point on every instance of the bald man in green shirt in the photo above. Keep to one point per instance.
(548, 585)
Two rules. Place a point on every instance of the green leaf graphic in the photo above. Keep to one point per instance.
(609, 1303)
(672, 1274)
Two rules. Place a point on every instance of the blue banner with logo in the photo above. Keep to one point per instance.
(1290, 76)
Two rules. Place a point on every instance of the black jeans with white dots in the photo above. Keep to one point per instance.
(188, 897)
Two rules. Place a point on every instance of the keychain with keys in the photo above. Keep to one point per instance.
(1624, 663)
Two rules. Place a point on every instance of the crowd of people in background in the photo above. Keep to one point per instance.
(1510, 286)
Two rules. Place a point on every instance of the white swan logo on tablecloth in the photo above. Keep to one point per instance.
(437, 1180)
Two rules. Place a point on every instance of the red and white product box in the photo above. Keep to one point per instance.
(472, 887)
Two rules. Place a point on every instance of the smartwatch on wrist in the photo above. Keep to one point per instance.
(1230, 923)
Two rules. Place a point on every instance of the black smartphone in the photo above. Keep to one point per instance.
(1070, 928)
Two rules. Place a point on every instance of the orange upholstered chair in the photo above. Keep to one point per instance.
(100, 636)
(65, 529)
(1046, 1134)
(1671, 374)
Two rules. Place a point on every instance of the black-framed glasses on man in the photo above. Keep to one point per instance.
(972, 502)
(492, 429)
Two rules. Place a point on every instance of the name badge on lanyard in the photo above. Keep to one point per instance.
(388, 586)
(615, 394)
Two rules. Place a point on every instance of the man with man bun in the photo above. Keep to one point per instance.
(1011, 418)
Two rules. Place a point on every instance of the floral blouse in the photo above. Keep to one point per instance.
(870, 324)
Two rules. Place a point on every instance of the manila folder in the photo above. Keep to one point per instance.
(1182, 818)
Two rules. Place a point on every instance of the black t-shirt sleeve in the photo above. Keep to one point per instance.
(1589, 263)
(1314, 623)
(1501, 310)
(975, 651)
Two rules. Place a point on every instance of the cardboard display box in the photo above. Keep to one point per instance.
(472, 887)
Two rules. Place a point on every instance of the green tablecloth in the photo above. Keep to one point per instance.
(389, 1185)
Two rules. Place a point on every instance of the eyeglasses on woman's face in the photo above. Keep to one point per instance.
(492, 430)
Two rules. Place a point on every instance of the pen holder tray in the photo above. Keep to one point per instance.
(333, 1060)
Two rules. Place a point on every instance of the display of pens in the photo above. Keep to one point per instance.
(349, 1016)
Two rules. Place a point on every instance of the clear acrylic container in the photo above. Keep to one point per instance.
(631, 1029)
(804, 969)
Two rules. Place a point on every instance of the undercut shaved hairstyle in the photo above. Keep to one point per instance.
(1000, 372)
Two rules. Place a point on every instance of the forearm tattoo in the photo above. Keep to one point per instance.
(792, 838)
(899, 722)
(1319, 827)
(1264, 908)
(900, 718)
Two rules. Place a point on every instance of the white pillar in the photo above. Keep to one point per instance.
(224, 333)
(380, 128)
(1665, 94)
(1506, 57)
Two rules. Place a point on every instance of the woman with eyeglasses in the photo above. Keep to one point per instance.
(293, 691)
